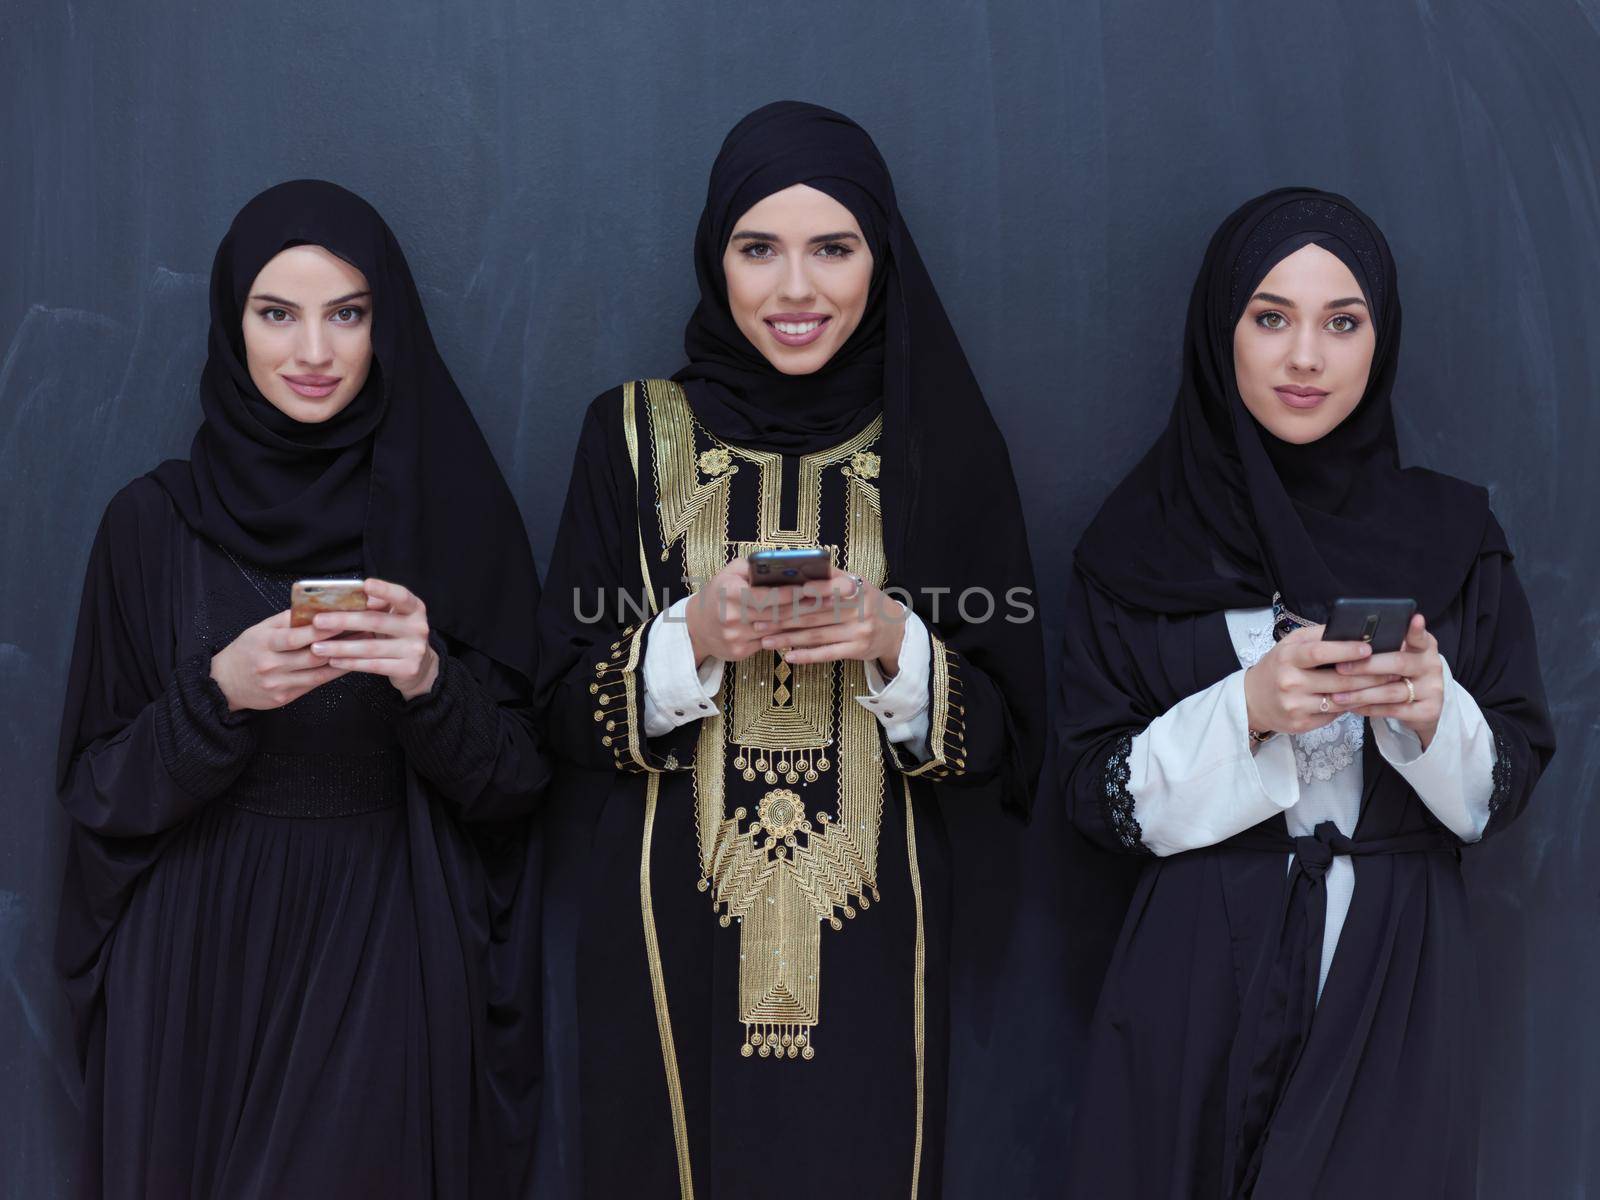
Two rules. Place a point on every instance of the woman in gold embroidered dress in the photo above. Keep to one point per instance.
(764, 910)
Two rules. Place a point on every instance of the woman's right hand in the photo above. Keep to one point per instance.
(1286, 693)
(722, 616)
(270, 664)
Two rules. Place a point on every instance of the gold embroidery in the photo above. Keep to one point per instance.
(652, 946)
(919, 1000)
(616, 693)
(808, 507)
(694, 511)
(947, 726)
(865, 464)
(782, 714)
(630, 434)
(781, 812)
(715, 461)
(778, 878)
(658, 992)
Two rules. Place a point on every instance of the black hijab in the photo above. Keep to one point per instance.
(736, 392)
(952, 516)
(400, 484)
(1221, 514)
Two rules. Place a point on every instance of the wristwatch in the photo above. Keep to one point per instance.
(1257, 736)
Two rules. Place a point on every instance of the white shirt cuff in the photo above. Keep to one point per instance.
(1454, 776)
(901, 703)
(676, 689)
(1193, 778)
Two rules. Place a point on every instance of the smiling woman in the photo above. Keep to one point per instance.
(766, 910)
(798, 292)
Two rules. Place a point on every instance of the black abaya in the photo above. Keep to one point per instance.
(1215, 1070)
(301, 945)
(701, 1073)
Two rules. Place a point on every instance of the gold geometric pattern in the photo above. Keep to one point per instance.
(779, 873)
(947, 725)
(781, 812)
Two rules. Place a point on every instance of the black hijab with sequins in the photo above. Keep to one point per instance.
(1220, 514)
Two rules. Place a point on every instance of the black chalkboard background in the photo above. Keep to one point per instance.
(1061, 163)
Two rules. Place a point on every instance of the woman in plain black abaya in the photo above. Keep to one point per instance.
(1289, 1011)
(298, 914)
(762, 955)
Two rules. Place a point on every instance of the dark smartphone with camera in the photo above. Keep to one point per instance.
(1382, 624)
(771, 568)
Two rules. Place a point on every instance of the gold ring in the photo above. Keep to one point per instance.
(1411, 692)
(1324, 706)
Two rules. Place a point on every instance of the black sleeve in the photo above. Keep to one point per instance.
(1100, 715)
(1499, 665)
(595, 618)
(143, 744)
(473, 736)
(968, 731)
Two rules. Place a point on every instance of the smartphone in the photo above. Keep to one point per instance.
(769, 568)
(1380, 623)
(308, 597)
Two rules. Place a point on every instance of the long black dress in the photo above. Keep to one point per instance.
(705, 1069)
(1383, 1098)
(764, 911)
(287, 984)
(1215, 1070)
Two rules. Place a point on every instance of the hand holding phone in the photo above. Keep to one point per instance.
(751, 590)
(1415, 695)
(1289, 691)
(1381, 624)
(722, 614)
(269, 665)
(388, 635)
(840, 617)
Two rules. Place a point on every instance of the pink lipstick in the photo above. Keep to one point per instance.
(797, 329)
(1300, 397)
(313, 387)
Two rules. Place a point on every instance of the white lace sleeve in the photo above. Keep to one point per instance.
(1193, 778)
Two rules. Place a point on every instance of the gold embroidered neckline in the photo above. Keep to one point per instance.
(778, 872)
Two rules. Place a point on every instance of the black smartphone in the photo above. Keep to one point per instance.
(1380, 623)
(769, 568)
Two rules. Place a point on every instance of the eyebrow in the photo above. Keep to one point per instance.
(271, 299)
(1345, 302)
(751, 235)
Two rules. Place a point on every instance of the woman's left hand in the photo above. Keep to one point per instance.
(398, 647)
(1418, 706)
(840, 617)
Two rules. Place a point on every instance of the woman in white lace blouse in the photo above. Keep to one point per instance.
(1289, 1009)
